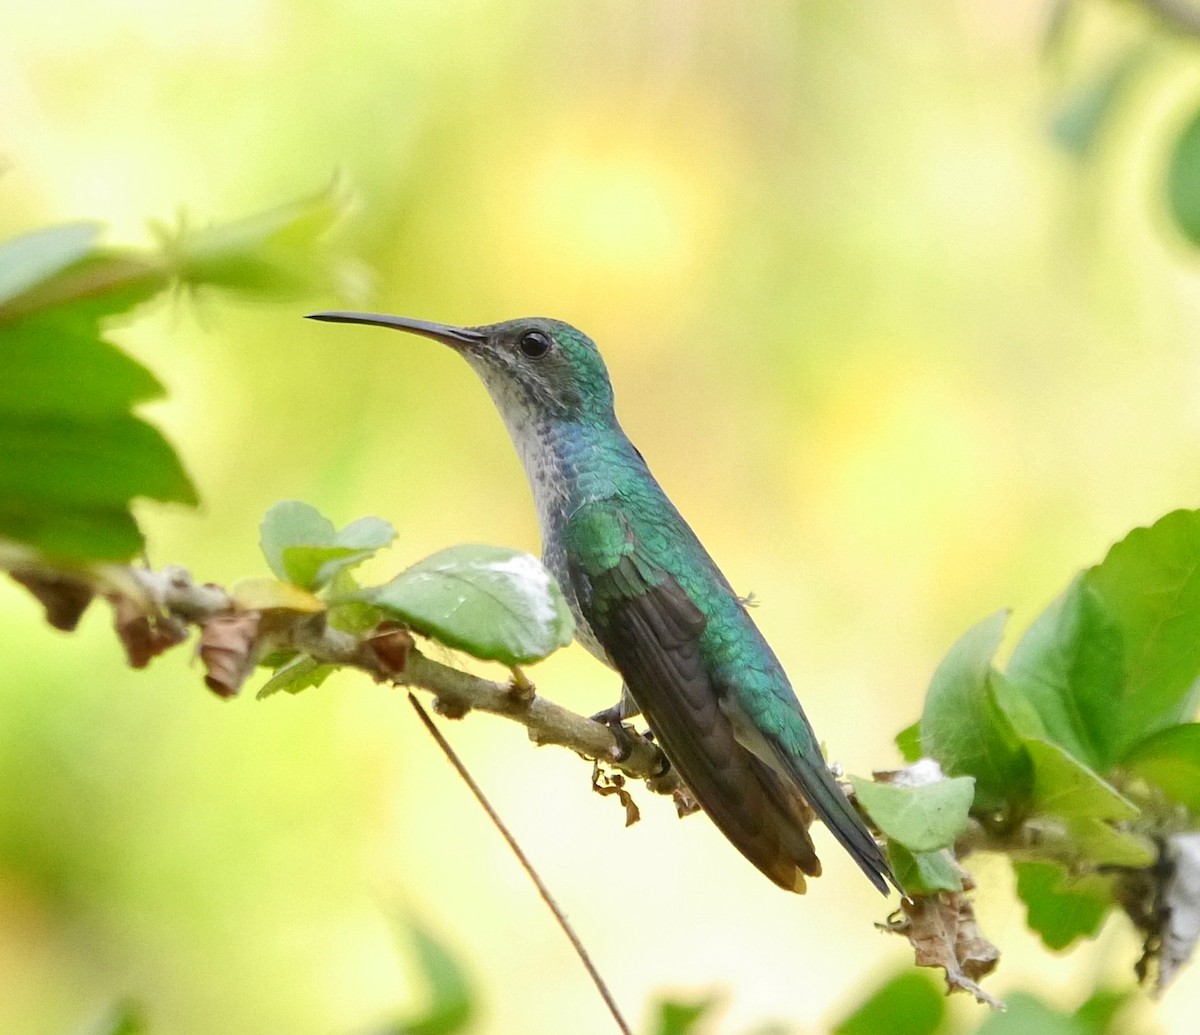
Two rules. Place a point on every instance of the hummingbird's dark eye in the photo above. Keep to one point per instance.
(534, 344)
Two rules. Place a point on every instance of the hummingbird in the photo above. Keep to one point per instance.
(649, 601)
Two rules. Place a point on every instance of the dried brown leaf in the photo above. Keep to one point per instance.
(65, 597)
(144, 631)
(944, 933)
(605, 783)
(228, 650)
(390, 644)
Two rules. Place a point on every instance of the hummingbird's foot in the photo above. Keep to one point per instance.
(622, 733)
(625, 708)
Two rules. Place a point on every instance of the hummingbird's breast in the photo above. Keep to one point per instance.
(564, 464)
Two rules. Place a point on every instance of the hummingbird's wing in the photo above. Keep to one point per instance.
(651, 630)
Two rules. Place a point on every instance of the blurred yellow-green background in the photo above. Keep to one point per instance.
(900, 358)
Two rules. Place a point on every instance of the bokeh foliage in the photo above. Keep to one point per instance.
(937, 363)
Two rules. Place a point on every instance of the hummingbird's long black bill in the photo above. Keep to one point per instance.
(442, 332)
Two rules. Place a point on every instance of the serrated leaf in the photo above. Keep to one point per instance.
(45, 363)
(270, 594)
(908, 742)
(1061, 910)
(923, 873)
(1183, 181)
(1064, 786)
(1150, 583)
(1170, 760)
(93, 463)
(296, 675)
(66, 485)
(908, 1004)
(1068, 667)
(961, 726)
(495, 604)
(99, 533)
(676, 1018)
(924, 818)
(1025, 1015)
(452, 1005)
(28, 260)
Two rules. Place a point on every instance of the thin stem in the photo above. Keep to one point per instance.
(526, 865)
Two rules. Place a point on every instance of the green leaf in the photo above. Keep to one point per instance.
(367, 533)
(1183, 181)
(1170, 760)
(314, 566)
(65, 485)
(1104, 845)
(292, 523)
(1026, 1015)
(908, 741)
(1061, 910)
(102, 462)
(961, 725)
(923, 873)
(298, 674)
(1101, 1009)
(99, 533)
(45, 362)
(1067, 666)
(452, 1006)
(681, 1018)
(1020, 712)
(273, 253)
(1150, 584)
(1064, 786)
(302, 547)
(28, 260)
(493, 603)
(908, 1004)
(923, 818)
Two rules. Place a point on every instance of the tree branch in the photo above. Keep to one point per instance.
(153, 609)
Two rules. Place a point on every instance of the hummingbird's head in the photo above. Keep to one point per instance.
(533, 367)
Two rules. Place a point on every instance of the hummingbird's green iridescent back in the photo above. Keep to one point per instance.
(651, 602)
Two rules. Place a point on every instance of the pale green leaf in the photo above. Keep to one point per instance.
(1170, 760)
(923, 818)
(923, 873)
(1150, 583)
(298, 674)
(961, 726)
(1068, 667)
(1064, 786)
(28, 260)
(493, 603)
(292, 523)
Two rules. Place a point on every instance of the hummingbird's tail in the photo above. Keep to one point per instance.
(829, 802)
